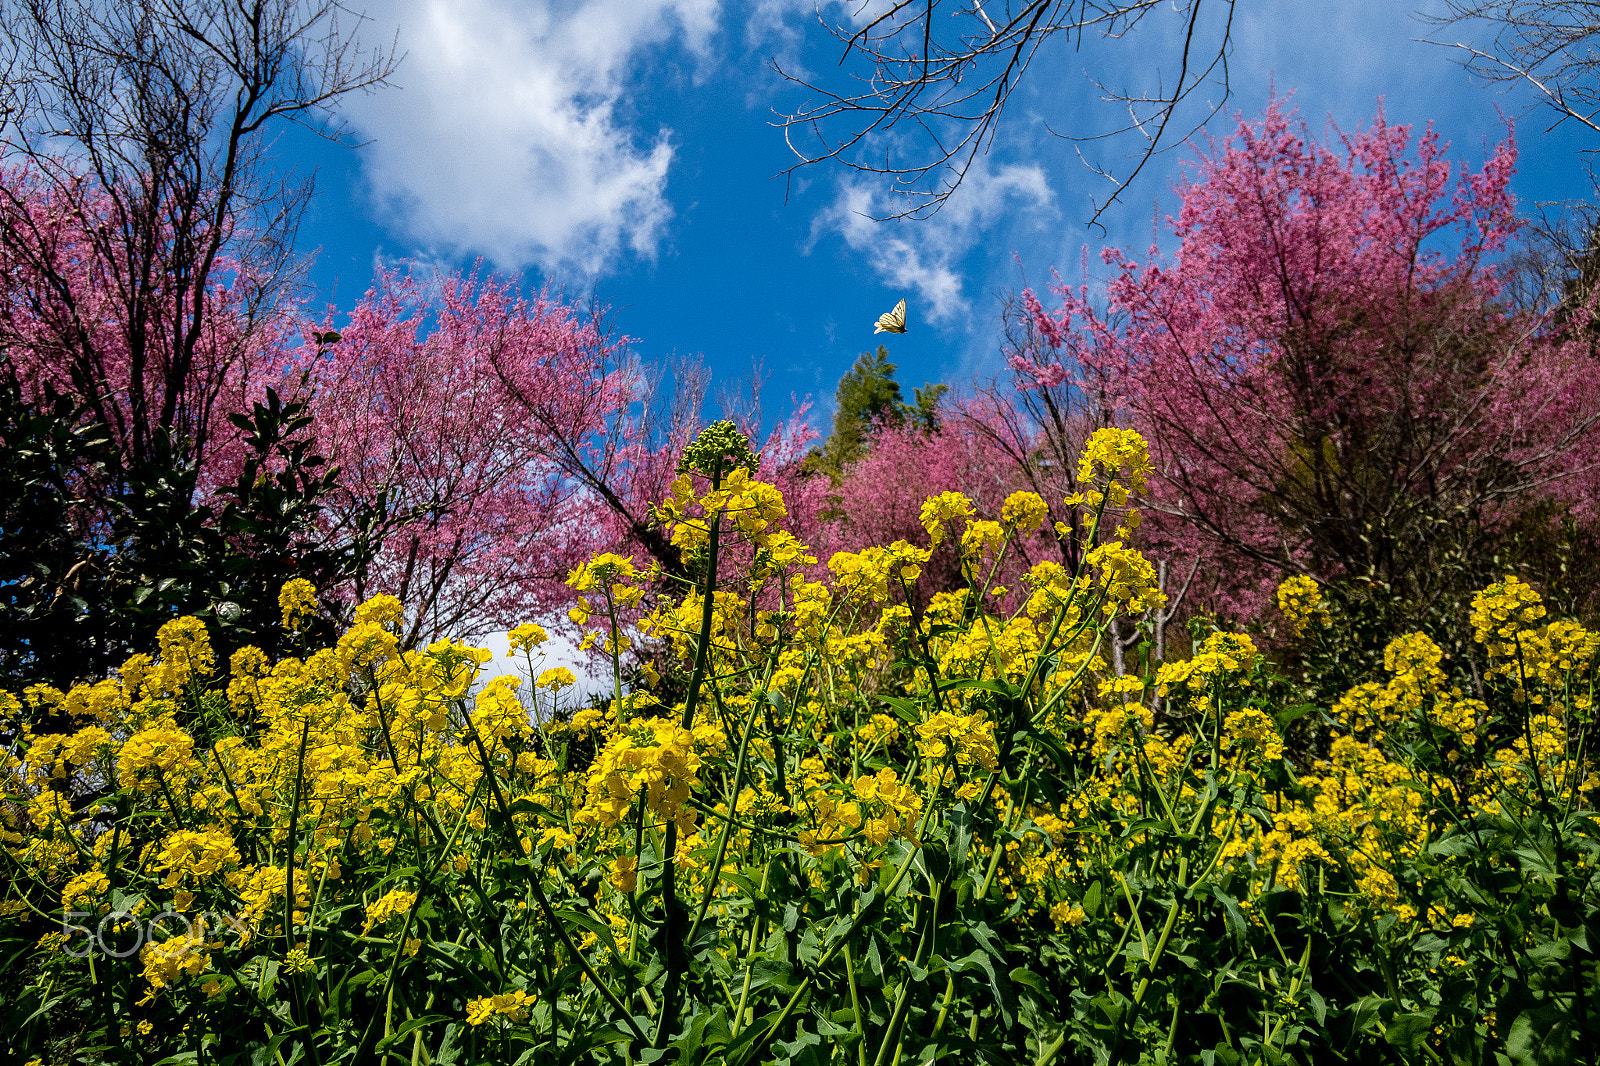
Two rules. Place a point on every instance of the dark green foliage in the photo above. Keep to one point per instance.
(95, 555)
(48, 569)
(867, 393)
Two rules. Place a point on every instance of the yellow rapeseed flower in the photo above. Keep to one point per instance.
(297, 602)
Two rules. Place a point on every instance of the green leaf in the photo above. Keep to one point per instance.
(1293, 714)
(875, 959)
(906, 709)
(987, 939)
(1453, 845)
(960, 836)
(1024, 976)
(1541, 1037)
(1238, 925)
(1319, 1006)
(772, 973)
(1091, 900)
(707, 1027)
(598, 928)
(809, 950)
(1535, 860)
(1005, 998)
(1004, 688)
(1365, 1010)
(405, 1030)
(1551, 951)
(1407, 1031)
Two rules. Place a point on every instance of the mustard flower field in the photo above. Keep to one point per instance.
(838, 821)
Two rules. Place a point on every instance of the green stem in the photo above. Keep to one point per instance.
(855, 1005)
(676, 947)
(288, 902)
(532, 877)
(827, 957)
(1048, 1053)
(727, 827)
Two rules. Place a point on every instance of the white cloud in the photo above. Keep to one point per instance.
(593, 674)
(781, 24)
(925, 256)
(506, 135)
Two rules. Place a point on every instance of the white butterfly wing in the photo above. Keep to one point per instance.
(892, 321)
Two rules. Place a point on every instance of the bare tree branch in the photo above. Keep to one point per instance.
(148, 119)
(1548, 44)
(931, 93)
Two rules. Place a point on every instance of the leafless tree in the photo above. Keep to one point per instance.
(927, 94)
(1556, 264)
(151, 120)
(1547, 44)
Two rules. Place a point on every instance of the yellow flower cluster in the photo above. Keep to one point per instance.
(1554, 652)
(751, 507)
(169, 961)
(868, 573)
(499, 714)
(1414, 660)
(382, 610)
(888, 806)
(613, 575)
(1503, 610)
(1009, 650)
(507, 1007)
(1415, 694)
(366, 646)
(1111, 723)
(186, 656)
(525, 638)
(190, 856)
(1116, 453)
(297, 602)
(1222, 656)
(939, 510)
(87, 892)
(1300, 600)
(396, 903)
(154, 756)
(57, 755)
(981, 538)
(556, 678)
(1505, 619)
(964, 739)
(1121, 459)
(1130, 583)
(1024, 512)
(1251, 731)
(655, 758)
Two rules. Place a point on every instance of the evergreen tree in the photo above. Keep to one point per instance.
(869, 396)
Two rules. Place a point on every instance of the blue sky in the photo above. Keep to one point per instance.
(624, 148)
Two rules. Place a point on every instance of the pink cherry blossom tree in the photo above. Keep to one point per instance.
(430, 402)
(514, 435)
(146, 239)
(80, 313)
(1327, 377)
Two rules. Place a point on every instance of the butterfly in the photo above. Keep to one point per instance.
(894, 321)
